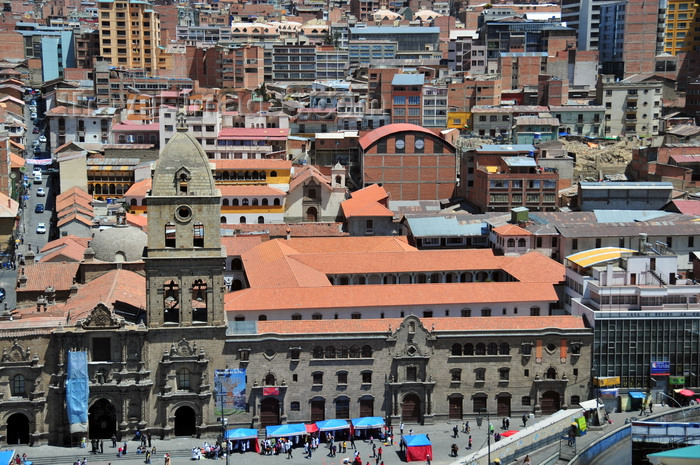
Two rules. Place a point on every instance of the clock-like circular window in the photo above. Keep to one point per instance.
(183, 213)
(420, 144)
(400, 144)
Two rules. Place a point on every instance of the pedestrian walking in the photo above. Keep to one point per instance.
(503, 423)
(374, 450)
(167, 459)
(527, 460)
(148, 457)
(455, 432)
(507, 422)
(379, 453)
(345, 446)
(470, 443)
(102, 446)
(149, 439)
(401, 428)
(524, 420)
(427, 460)
(114, 440)
(352, 442)
(651, 409)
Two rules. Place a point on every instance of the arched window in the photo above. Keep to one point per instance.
(234, 202)
(468, 349)
(492, 349)
(244, 202)
(255, 202)
(223, 220)
(276, 202)
(133, 202)
(183, 183)
(510, 243)
(456, 349)
(311, 193)
(480, 349)
(270, 380)
(169, 235)
(264, 202)
(224, 202)
(342, 352)
(456, 374)
(504, 349)
(354, 351)
(183, 380)
(317, 352)
(522, 242)
(261, 219)
(338, 179)
(366, 352)
(242, 220)
(273, 174)
(236, 264)
(19, 388)
(551, 373)
(317, 316)
(330, 352)
(262, 317)
(199, 301)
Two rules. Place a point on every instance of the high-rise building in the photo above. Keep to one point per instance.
(130, 35)
(585, 17)
(643, 41)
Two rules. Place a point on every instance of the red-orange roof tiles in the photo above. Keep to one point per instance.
(42, 275)
(535, 267)
(268, 265)
(304, 245)
(511, 230)
(74, 217)
(62, 241)
(139, 189)
(471, 324)
(139, 221)
(387, 295)
(373, 136)
(236, 245)
(366, 202)
(71, 251)
(301, 174)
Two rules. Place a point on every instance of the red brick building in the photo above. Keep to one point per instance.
(410, 162)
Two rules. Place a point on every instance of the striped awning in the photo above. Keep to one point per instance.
(594, 256)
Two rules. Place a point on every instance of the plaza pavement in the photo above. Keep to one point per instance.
(440, 434)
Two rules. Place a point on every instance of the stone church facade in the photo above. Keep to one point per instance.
(157, 374)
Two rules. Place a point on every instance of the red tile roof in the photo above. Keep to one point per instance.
(42, 275)
(249, 191)
(385, 295)
(304, 245)
(8, 206)
(139, 221)
(511, 230)
(374, 136)
(62, 241)
(306, 172)
(74, 217)
(236, 245)
(296, 229)
(139, 189)
(71, 251)
(535, 267)
(366, 202)
(465, 325)
(253, 164)
(16, 161)
(273, 268)
(688, 207)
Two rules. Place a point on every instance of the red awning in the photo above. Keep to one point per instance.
(311, 428)
(509, 433)
(686, 392)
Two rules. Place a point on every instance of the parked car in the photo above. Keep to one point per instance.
(39, 208)
(42, 138)
(3, 294)
(40, 192)
(41, 228)
(36, 170)
(33, 115)
(35, 130)
(36, 143)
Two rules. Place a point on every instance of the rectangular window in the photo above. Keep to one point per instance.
(504, 374)
(318, 378)
(574, 244)
(366, 377)
(343, 377)
(101, 349)
(198, 239)
(399, 100)
(414, 100)
(170, 235)
(342, 409)
(411, 373)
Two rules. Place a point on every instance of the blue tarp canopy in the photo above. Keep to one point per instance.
(637, 395)
(332, 425)
(6, 456)
(367, 422)
(284, 431)
(242, 433)
(417, 440)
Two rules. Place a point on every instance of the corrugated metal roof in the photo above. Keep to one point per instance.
(627, 216)
(394, 30)
(625, 185)
(506, 148)
(594, 256)
(519, 161)
(524, 54)
(408, 80)
(444, 226)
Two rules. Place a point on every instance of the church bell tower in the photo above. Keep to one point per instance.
(184, 259)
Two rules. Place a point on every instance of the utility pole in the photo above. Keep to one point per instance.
(224, 423)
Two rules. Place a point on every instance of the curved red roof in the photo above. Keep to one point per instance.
(374, 136)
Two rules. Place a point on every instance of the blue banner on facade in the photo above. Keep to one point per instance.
(77, 391)
(662, 367)
(230, 388)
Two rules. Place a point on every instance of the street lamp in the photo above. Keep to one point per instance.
(224, 423)
(677, 403)
(479, 419)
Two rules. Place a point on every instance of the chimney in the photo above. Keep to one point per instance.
(642, 243)
(289, 233)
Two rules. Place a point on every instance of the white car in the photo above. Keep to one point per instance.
(40, 192)
(33, 115)
(42, 138)
(36, 144)
(41, 228)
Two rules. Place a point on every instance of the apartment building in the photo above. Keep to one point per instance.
(632, 105)
(434, 106)
(130, 36)
(294, 62)
(407, 98)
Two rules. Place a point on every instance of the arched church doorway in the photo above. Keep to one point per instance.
(185, 422)
(17, 429)
(550, 402)
(102, 419)
(269, 412)
(410, 411)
